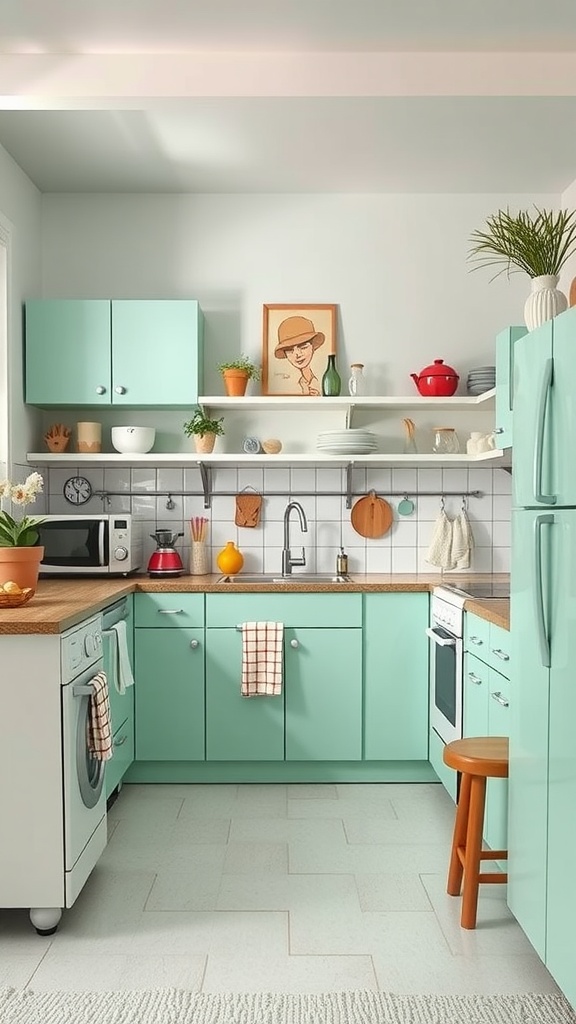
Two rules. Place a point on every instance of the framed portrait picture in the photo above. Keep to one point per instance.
(297, 341)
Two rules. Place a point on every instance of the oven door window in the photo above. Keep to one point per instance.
(445, 675)
(73, 544)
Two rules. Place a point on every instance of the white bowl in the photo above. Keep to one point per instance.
(133, 440)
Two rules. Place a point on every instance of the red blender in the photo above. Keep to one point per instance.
(165, 562)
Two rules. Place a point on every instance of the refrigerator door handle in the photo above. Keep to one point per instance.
(542, 499)
(538, 589)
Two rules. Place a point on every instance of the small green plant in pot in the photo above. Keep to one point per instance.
(204, 431)
(537, 244)
(237, 373)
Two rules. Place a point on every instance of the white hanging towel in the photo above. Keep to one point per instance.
(122, 675)
(462, 541)
(440, 550)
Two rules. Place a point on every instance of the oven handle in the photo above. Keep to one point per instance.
(440, 640)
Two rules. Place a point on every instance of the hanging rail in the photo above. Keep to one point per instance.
(104, 495)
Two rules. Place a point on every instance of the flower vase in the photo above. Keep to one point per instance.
(20, 566)
(544, 302)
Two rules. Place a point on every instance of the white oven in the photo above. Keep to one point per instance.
(446, 666)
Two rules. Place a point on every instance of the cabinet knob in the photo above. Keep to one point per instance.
(498, 430)
(476, 641)
(501, 700)
(474, 679)
(500, 654)
(100, 390)
(294, 643)
(194, 644)
(120, 390)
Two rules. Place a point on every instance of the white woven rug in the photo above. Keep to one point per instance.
(171, 1006)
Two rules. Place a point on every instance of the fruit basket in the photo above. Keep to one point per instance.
(12, 596)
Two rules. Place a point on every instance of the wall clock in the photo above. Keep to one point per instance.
(77, 490)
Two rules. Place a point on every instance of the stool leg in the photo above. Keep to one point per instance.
(473, 850)
(459, 837)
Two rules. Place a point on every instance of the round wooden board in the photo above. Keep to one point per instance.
(371, 516)
(572, 293)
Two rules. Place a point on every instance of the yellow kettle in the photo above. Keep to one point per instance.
(230, 560)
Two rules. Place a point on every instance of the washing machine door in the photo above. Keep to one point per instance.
(89, 770)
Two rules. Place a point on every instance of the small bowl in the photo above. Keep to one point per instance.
(133, 440)
(272, 446)
(15, 600)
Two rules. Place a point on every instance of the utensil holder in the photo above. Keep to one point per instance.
(199, 562)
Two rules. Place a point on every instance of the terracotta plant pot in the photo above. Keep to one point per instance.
(21, 566)
(235, 382)
(205, 443)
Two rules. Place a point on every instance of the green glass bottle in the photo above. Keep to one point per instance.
(331, 383)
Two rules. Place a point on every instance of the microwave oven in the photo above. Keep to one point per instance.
(91, 545)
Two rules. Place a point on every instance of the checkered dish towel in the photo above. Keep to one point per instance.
(99, 731)
(262, 647)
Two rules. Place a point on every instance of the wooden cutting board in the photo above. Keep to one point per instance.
(371, 516)
(572, 293)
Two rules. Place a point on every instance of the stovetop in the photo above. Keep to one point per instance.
(484, 589)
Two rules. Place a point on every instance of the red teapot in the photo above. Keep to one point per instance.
(436, 380)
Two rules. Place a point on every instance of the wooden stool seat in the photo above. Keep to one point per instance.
(477, 758)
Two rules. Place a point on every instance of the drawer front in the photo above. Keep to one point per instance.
(123, 755)
(314, 610)
(475, 687)
(476, 636)
(165, 611)
(498, 705)
(499, 650)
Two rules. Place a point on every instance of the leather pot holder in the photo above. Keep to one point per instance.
(248, 508)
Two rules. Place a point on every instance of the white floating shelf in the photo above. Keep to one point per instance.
(241, 459)
(347, 402)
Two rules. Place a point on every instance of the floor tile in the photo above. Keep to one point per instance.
(191, 890)
(276, 892)
(438, 972)
(368, 859)
(311, 791)
(327, 830)
(17, 970)
(397, 830)
(256, 859)
(202, 933)
(18, 937)
(336, 931)
(101, 972)
(392, 892)
(242, 973)
(342, 808)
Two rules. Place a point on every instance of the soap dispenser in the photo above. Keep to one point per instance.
(342, 563)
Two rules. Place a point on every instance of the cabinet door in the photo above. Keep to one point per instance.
(238, 728)
(396, 677)
(323, 683)
(532, 365)
(156, 352)
(123, 755)
(169, 694)
(68, 360)
(496, 816)
(505, 384)
(563, 409)
(475, 696)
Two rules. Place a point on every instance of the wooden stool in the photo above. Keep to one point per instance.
(477, 759)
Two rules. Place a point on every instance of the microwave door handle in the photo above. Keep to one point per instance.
(101, 532)
(440, 640)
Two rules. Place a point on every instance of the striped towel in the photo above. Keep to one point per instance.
(262, 646)
(99, 731)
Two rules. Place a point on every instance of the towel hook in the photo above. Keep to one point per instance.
(442, 503)
(464, 505)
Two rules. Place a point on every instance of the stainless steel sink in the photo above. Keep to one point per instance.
(301, 577)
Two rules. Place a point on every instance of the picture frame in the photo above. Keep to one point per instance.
(297, 340)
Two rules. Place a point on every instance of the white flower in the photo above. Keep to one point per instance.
(5, 488)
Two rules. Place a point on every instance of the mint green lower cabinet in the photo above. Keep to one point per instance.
(323, 684)
(496, 814)
(396, 676)
(238, 728)
(169, 667)
(475, 688)
(122, 756)
(448, 777)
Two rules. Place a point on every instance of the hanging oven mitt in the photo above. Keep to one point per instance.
(248, 508)
(440, 550)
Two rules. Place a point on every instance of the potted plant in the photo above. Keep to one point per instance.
(538, 244)
(20, 554)
(237, 373)
(204, 431)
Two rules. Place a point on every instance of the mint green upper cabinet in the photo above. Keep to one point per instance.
(238, 728)
(505, 342)
(169, 665)
(396, 677)
(532, 361)
(562, 410)
(68, 352)
(323, 682)
(146, 333)
(103, 352)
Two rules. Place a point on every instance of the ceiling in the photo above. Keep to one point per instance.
(341, 142)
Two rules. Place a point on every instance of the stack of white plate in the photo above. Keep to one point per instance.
(481, 379)
(346, 442)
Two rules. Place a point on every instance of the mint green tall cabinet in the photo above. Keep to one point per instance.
(505, 345)
(396, 676)
(103, 352)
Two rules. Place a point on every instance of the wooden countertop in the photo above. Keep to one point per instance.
(59, 604)
(495, 609)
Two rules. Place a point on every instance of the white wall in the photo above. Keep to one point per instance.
(394, 264)
(20, 210)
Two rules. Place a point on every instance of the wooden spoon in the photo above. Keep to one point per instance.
(371, 516)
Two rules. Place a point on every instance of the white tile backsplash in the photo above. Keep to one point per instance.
(402, 549)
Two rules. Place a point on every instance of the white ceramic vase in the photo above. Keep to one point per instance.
(544, 301)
